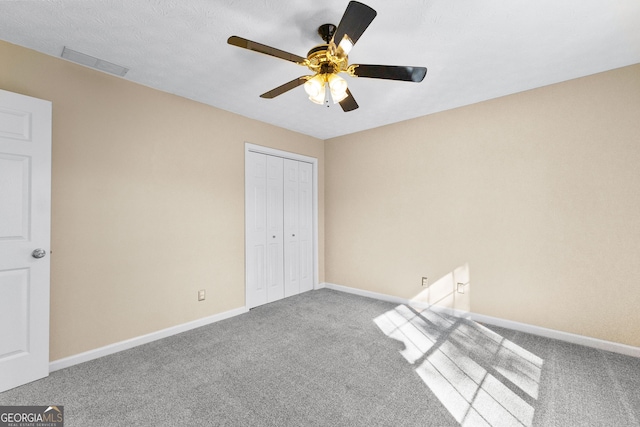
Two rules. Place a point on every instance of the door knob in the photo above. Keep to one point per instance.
(38, 253)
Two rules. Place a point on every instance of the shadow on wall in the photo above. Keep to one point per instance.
(482, 378)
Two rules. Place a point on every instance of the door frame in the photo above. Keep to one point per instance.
(249, 147)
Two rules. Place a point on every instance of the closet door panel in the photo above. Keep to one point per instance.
(275, 230)
(305, 225)
(256, 228)
(291, 221)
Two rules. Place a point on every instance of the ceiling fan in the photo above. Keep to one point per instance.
(328, 60)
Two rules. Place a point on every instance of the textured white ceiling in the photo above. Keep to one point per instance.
(474, 49)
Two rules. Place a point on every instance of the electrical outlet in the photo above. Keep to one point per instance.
(425, 282)
(201, 295)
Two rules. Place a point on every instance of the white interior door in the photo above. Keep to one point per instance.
(25, 225)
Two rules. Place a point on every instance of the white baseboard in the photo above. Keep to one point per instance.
(509, 324)
(143, 339)
(395, 300)
(559, 335)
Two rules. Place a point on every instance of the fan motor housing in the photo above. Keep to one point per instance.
(321, 61)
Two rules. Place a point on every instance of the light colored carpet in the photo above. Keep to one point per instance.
(326, 358)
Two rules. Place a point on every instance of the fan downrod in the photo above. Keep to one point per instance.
(326, 32)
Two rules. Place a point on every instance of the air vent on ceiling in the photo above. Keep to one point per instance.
(90, 61)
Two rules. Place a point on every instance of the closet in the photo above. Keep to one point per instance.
(279, 227)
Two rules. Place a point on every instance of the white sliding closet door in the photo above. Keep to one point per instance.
(298, 233)
(256, 228)
(305, 188)
(279, 228)
(291, 229)
(275, 227)
(264, 228)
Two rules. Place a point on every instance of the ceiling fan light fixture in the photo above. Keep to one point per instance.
(345, 45)
(338, 88)
(319, 98)
(314, 86)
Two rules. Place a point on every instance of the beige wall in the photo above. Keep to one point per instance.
(148, 201)
(538, 192)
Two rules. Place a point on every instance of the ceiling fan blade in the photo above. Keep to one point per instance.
(285, 87)
(262, 48)
(390, 72)
(355, 20)
(349, 103)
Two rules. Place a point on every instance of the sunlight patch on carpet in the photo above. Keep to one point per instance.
(480, 377)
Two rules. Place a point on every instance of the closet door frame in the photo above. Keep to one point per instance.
(249, 147)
